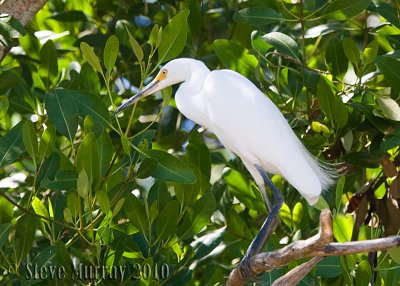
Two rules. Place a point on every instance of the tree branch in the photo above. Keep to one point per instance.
(22, 10)
(320, 245)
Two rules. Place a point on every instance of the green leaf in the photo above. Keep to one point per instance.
(48, 168)
(63, 258)
(335, 58)
(185, 193)
(91, 57)
(197, 152)
(62, 112)
(343, 227)
(83, 184)
(159, 193)
(4, 104)
(339, 192)
(136, 213)
(240, 186)
(167, 220)
(153, 36)
(198, 217)
(30, 140)
(351, 50)
(111, 52)
(63, 180)
(173, 37)
(283, 43)
(390, 68)
(126, 144)
(389, 107)
(118, 207)
(24, 236)
(6, 210)
(103, 200)
(69, 16)
(170, 168)
(11, 145)
(257, 16)
(73, 205)
(370, 52)
(89, 104)
(395, 254)
(47, 142)
(332, 105)
(236, 57)
(146, 168)
(344, 9)
(105, 152)
(89, 80)
(48, 68)
(363, 274)
(389, 12)
(297, 215)
(8, 79)
(4, 232)
(88, 158)
(328, 267)
(136, 48)
(390, 142)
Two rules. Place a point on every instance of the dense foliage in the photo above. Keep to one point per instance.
(151, 192)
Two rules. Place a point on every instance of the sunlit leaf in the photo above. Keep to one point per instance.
(257, 16)
(170, 168)
(111, 52)
(30, 140)
(91, 57)
(173, 37)
(389, 68)
(283, 43)
(11, 145)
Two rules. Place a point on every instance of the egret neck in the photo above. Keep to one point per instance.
(189, 98)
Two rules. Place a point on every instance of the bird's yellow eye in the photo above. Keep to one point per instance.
(162, 75)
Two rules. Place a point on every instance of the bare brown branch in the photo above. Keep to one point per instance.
(320, 245)
(22, 10)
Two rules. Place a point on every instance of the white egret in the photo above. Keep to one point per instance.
(250, 125)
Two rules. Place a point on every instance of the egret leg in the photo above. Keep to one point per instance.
(266, 230)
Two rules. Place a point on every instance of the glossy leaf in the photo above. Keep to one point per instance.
(173, 37)
(88, 158)
(343, 9)
(232, 55)
(389, 12)
(170, 168)
(283, 43)
(4, 232)
(370, 52)
(111, 52)
(167, 220)
(102, 199)
(48, 68)
(105, 152)
(136, 48)
(4, 104)
(146, 168)
(134, 210)
(11, 145)
(48, 169)
(62, 112)
(332, 105)
(30, 140)
(389, 107)
(363, 273)
(339, 192)
(47, 142)
(335, 58)
(24, 236)
(343, 227)
(257, 16)
(351, 50)
(63, 180)
(328, 267)
(297, 215)
(389, 68)
(91, 57)
(159, 194)
(199, 216)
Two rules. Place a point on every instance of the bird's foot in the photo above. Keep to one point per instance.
(246, 272)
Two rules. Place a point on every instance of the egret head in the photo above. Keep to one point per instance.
(174, 72)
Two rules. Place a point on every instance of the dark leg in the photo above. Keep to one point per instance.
(267, 228)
